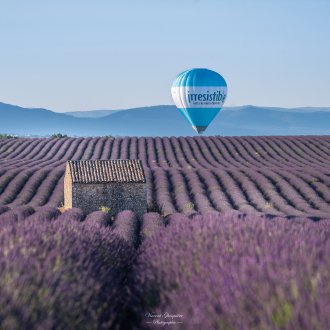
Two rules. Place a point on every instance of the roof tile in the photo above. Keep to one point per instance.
(103, 171)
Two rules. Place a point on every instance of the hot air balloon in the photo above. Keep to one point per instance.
(199, 94)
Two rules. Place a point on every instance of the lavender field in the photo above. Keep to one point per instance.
(274, 175)
(237, 236)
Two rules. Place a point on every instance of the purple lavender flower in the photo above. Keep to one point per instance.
(236, 272)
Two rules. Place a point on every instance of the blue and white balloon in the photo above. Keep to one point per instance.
(199, 94)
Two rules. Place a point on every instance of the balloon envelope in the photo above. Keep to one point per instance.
(199, 94)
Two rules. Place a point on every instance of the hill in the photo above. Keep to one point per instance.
(91, 113)
(165, 120)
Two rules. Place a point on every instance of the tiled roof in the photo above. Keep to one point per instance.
(103, 171)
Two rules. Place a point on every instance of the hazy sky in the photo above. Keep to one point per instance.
(104, 54)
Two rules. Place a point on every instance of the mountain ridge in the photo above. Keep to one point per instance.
(165, 120)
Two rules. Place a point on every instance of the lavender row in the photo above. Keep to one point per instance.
(199, 151)
(278, 175)
(189, 191)
(62, 274)
(234, 272)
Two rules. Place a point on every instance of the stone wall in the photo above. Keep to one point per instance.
(115, 196)
(67, 189)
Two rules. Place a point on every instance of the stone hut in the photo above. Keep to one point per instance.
(114, 185)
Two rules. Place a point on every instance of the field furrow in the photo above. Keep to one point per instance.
(280, 176)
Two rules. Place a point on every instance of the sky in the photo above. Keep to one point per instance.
(70, 55)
